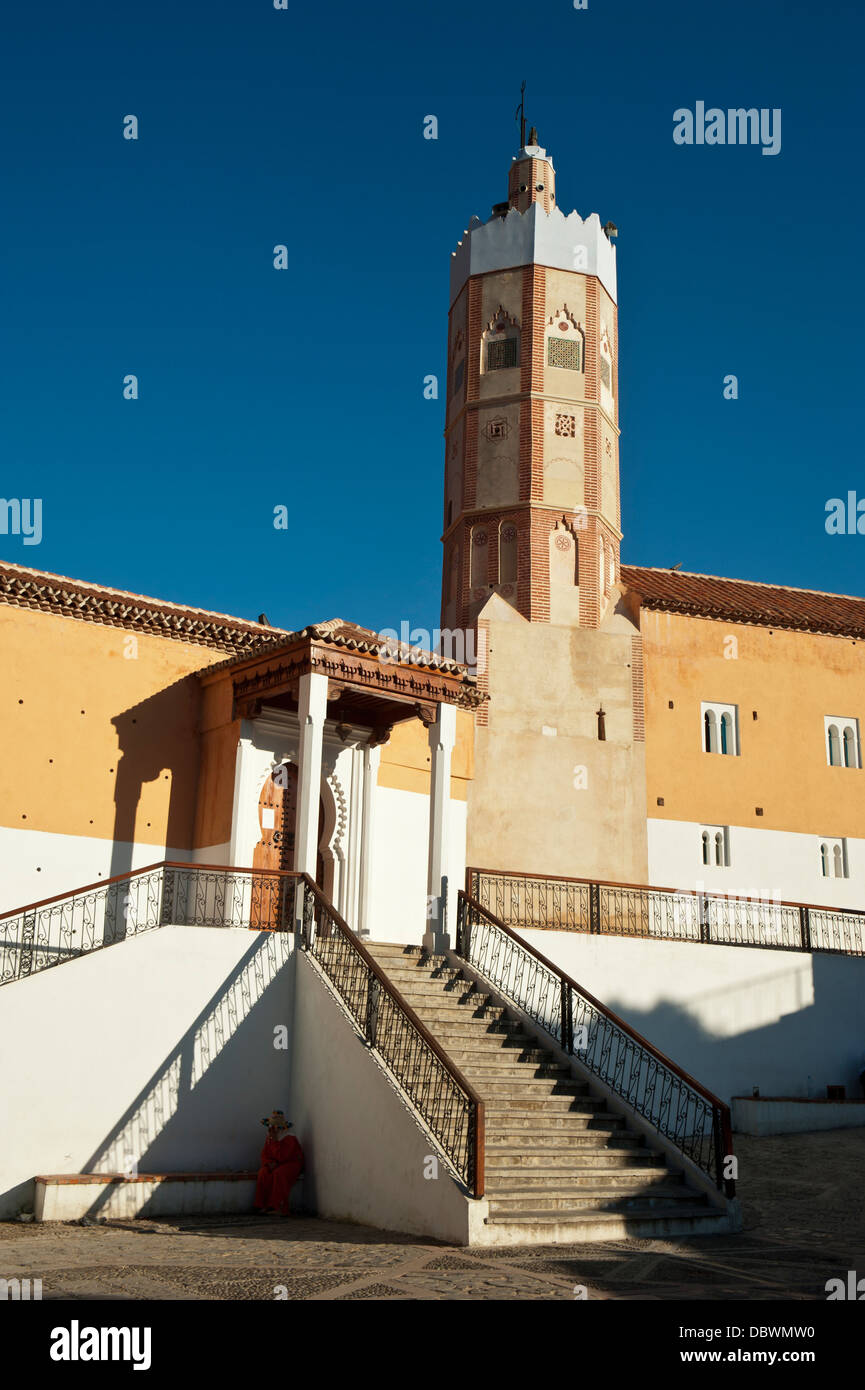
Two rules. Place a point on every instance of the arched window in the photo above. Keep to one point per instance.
(705, 847)
(500, 343)
(839, 861)
(507, 553)
(710, 731)
(824, 859)
(479, 563)
(834, 746)
(566, 342)
(601, 566)
(720, 857)
(849, 747)
(726, 733)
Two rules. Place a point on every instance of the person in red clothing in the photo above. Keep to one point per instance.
(281, 1166)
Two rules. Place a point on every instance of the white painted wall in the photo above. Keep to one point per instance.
(733, 1017)
(400, 851)
(365, 1150)
(159, 1050)
(36, 864)
(763, 863)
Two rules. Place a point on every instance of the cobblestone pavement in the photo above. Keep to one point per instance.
(804, 1223)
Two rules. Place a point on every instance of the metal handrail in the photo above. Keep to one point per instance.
(606, 907)
(449, 1104)
(684, 1111)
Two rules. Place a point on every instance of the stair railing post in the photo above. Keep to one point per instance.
(373, 997)
(805, 927)
(595, 908)
(704, 917)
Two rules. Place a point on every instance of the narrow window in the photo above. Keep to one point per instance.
(711, 731)
(824, 859)
(726, 729)
(834, 746)
(839, 862)
(719, 849)
(705, 846)
(849, 747)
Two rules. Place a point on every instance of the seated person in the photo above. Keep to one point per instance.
(281, 1166)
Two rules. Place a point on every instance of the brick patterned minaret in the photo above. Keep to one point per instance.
(531, 466)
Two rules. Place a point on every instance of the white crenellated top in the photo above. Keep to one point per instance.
(535, 237)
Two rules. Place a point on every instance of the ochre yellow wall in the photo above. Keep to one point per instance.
(405, 758)
(792, 679)
(80, 773)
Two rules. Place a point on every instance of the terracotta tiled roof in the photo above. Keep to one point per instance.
(77, 598)
(747, 601)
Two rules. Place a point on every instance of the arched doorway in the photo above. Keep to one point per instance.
(277, 813)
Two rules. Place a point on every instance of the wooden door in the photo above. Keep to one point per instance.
(277, 809)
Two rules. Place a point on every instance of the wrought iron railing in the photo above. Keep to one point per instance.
(46, 933)
(669, 914)
(690, 1117)
(449, 1105)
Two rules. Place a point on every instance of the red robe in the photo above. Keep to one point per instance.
(281, 1166)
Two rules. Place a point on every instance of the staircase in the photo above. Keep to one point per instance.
(560, 1166)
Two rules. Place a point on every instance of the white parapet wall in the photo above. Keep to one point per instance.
(160, 1054)
(734, 1017)
(368, 1159)
(761, 1115)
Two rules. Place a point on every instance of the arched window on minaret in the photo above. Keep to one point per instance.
(566, 342)
(479, 562)
(710, 731)
(602, 568)
(849, 747)
(605, 368)
(507, 553)
(458, 363)
(500, 343)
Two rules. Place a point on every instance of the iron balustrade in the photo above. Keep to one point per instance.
(690, 1117)
(668, 914)
(449, 1105)
(61, 928)
(44, 934)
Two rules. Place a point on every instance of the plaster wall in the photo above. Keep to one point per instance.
(548, 796)
(159, 1051)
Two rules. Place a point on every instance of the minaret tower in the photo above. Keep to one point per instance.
(532, 440)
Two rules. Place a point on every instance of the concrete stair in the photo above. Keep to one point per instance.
(560, 1166)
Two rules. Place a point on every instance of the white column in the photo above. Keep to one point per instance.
(442, 736)
(311, 711)
(371, 759)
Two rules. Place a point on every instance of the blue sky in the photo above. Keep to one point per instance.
(305, 388)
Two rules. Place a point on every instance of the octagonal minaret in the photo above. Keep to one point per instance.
(532, 439)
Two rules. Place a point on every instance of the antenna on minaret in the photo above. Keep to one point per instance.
(521, 114)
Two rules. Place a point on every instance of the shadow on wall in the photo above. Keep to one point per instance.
(818, 1043)
(158, 740)
(201, 1110)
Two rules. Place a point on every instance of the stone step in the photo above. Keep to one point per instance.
(596, 1198)
(564, 1160)
(556, 1182)
(482, 1065)
(516, 1120)
(580, 1226)
(538, 1140)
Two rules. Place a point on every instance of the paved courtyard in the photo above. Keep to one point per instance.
(804, 1223)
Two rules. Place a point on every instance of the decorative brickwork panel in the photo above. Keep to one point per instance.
(566, 426)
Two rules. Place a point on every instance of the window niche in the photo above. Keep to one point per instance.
(566, 342)
(500, 343)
